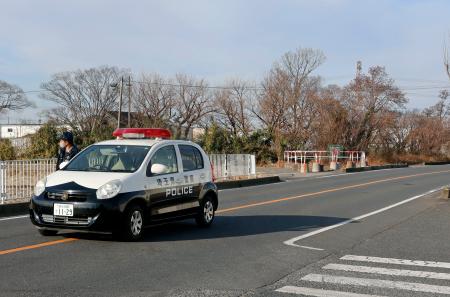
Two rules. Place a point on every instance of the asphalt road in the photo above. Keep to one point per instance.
(251, 248)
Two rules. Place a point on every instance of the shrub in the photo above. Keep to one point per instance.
(44, 143)
(7, 151)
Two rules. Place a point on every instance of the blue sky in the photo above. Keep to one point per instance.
(219, 40)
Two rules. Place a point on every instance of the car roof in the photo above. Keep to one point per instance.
(141, 142)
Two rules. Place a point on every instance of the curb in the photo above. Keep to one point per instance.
(437, 163)
(370, 168)
(247, 182)
(14, 209)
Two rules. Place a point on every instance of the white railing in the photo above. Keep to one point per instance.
(227, 166)
(18, 177)
(302, 157)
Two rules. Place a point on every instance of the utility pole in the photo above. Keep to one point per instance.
(129, 101)
(358, 68)
(120, 102)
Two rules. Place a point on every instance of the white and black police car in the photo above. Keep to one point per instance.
(123, 185)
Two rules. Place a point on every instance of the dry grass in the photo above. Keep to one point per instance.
(404, 158)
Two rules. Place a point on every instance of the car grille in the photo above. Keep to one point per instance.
(66, 220)
(70, 196)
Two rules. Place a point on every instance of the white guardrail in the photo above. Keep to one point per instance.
(18, 177)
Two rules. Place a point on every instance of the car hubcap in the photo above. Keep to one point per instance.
(136, 222)
(208, 211)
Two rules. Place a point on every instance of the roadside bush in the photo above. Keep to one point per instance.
(44, 143)
(7, 151)
(259, 143)
(216, 140)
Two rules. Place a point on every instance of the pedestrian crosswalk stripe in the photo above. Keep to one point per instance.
(388, 271)
(397, 261)
(320, 292)
(386, 284)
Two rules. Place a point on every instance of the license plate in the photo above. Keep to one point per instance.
(65, 210)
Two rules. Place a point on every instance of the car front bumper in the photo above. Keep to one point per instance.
(100, 216)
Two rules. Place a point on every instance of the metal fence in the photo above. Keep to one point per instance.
(318, 156)
(18, 177)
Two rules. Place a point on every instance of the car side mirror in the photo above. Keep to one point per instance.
(63, 164)
(157, 169)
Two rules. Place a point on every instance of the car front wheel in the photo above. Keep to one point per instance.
(206, 214)
(133, 224)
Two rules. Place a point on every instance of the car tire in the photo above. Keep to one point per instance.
(206, 213)
(46, 232)
(132, 225)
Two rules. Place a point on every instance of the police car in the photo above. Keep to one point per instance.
(122, 185)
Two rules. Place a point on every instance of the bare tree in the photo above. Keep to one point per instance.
(302, 113)
(232, 104)
(368, 98)
(192, 102)
(285, 104)
(398, 135)
(428, 136)
(329, 124)
(154, 98)
(85, 98)
(441, 109)
(12, 97)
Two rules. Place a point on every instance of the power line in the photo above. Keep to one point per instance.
(421, 80)
(424, 88)
(196, 86)
(259, 88)
(218, 87)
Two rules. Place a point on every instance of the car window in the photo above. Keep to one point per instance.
(109, 158)
(166, 156)
(198, 158)
(191, 157)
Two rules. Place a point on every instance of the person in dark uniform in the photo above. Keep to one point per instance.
(67, 149)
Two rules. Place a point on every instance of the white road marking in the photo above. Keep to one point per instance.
(388, 271)
(13, 218)
(319, 292)
(367, 282)
(310, 248)
(292, 241)
(397, 261)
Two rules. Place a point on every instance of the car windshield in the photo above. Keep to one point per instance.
(109, 158)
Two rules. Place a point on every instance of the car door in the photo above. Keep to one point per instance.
(159, 186)
(193, 171)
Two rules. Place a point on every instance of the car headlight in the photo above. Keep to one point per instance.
(39, 188)
(109, 190)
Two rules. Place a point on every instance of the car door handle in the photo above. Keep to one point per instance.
(179, 181)
(202, 175)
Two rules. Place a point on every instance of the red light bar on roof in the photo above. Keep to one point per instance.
(142, 133)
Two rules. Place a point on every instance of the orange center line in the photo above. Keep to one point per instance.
(36, 246)
(326, 191)
(66, 240)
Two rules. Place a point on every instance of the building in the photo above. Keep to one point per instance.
(197, 133)
(12, 131)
